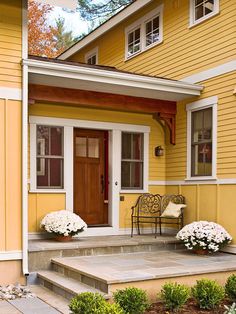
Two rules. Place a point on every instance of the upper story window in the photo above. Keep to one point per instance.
(49, 157)
(144, 33)
(200, 10)
(92, 57)
(202, 116)
(132, 161)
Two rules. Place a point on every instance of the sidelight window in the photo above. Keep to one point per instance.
(50, 157)
(132, 161)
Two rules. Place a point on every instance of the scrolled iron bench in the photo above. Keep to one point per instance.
(149, 208)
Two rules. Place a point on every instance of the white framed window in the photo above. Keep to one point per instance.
(132, 153)
(201, 10)
(144, 33)
(202, 139)
(49, 157)
(91, 57)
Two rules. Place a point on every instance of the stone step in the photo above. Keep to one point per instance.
(69, 268)
(64, 286)
(42, 251)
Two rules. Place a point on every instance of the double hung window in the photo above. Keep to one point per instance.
(132, 161)
(201, 10)
(144, 33)
(50, 157)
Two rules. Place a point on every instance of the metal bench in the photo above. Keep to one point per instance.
(149, 207)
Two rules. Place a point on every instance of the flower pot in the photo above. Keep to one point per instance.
(61, 238)
(201, 252)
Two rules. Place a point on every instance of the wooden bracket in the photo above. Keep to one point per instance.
(169, 120)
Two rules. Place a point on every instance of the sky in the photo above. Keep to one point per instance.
(73, 21)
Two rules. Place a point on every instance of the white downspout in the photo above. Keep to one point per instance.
(25, 140)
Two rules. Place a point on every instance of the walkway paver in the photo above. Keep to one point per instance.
(33, 306)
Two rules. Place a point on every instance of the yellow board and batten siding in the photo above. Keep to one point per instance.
(10, 139)
(40, 204)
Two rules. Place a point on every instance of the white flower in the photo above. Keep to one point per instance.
(63, 222)
(204, 234)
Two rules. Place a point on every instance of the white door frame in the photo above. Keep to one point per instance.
(115, 130)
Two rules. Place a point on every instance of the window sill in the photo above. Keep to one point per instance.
(195, 23)
(48, 191)
(144, 49)
(133, 191)
(201, 179)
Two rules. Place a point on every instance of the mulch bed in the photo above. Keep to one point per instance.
(189, 307)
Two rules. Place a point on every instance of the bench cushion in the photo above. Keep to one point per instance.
(173, 210)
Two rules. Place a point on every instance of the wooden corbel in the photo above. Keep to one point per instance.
(169, 119)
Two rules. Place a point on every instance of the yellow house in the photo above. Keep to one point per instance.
(89, 124)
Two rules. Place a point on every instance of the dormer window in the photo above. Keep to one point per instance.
(144, 33)
(92, 57)
(200, 10)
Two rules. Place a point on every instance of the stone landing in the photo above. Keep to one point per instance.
(146, 270)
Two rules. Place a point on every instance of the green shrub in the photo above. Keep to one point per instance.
(230, 287)
(132, 300)
(87, 303)
(208, 293)
(111, 309)
(174, 295)
(231, 309)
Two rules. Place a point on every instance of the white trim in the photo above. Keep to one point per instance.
(134, 191)
(193, 22)
(211, 73)
(10, 255)
(122, 79)
(90, 54)
(24, 150)
(210, 102)
(141, 23)
(88, 124)
(10, 93)
(118, 18)
(69, 4)
(114, 153)
(193, 182)
(47, 191)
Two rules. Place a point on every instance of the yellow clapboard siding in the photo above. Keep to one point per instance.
(10, 43)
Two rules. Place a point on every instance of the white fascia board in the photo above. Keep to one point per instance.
(69, 4)
(111, 77)
(118, 18)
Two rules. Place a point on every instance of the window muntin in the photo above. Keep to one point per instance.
(149, 32)
(134, 42)
(132, 154)
(49, 157)
(152, 31)
(201, 142)
(200, 10)
(92, 60)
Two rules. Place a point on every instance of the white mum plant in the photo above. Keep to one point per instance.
(63, 222)
(204, 235)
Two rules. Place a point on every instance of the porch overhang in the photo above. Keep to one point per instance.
(107, 88)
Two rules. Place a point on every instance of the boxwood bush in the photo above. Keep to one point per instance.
(230, 287)
(208, 293)
(92, 303)
(174, 295)
(132, 300)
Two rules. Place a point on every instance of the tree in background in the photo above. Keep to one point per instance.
(41, 38)
(50, 41)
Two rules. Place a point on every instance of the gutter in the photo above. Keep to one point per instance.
(24, 126)
(111, 77)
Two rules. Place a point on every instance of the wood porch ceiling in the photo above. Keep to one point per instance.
(161, 110)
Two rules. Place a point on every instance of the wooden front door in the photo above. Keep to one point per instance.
(89, 176)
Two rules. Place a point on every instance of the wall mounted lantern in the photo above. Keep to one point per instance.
(159, 151)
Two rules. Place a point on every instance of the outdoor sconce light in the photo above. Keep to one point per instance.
(159, 151)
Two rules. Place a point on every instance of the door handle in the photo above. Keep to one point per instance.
(102, 183)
